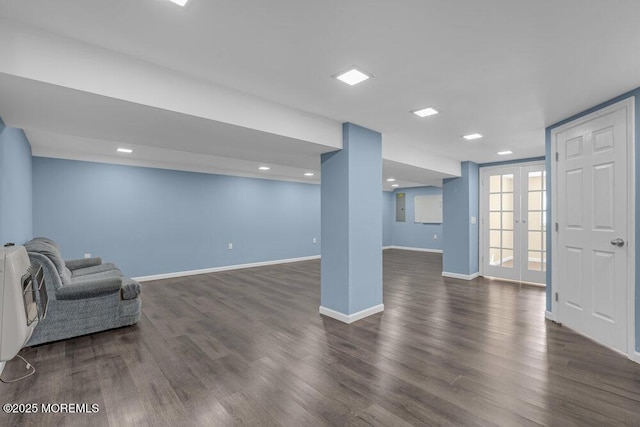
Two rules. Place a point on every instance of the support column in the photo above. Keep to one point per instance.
(460, 232)
(351, 195)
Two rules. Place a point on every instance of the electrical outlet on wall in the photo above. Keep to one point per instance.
(87, 255)
(435, 237)
(315, 240)
(230, 246)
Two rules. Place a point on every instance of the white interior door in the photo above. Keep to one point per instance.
(533, 196)
(501, 210)
(592, 279)
(514, 223)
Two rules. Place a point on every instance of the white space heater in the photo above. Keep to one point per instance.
(23, 302)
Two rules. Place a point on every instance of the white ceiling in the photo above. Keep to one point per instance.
(503, 68)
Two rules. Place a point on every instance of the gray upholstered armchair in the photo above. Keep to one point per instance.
(85, 295)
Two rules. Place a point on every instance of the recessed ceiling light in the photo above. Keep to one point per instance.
(504, 153)
(353, 76)
(395, 185)
(390, 179)
(264, 168)
(426, 112)
(309, 174)
(125, 150)
(472, 136)
(179, 2)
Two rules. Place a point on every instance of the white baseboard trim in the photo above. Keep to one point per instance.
(460, 276)
(550, 316)
(350, 318)
(635, 356)
(223, 268)
(387, 247)
(406, 248)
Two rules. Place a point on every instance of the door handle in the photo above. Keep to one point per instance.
(618, 242)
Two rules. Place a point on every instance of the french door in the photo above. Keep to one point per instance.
(513, 222)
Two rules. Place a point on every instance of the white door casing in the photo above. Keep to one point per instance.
(593, 277)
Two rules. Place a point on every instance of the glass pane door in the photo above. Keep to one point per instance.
(514, 223)
(499, 223)
(535, 242)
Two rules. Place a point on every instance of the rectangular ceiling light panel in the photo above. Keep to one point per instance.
(352, 77)
(426, 112)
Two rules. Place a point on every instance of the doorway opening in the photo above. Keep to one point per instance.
(513, 222)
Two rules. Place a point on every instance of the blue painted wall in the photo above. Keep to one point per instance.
(460, 242)
(455, 206)
(16, 218)
(388, 216)
(352, 226)
(365, 213)
(415, 235)
(152, 221)
(335, 231)
(636, 93)
(473, 172)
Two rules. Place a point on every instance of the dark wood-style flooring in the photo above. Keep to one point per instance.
(248, 347)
